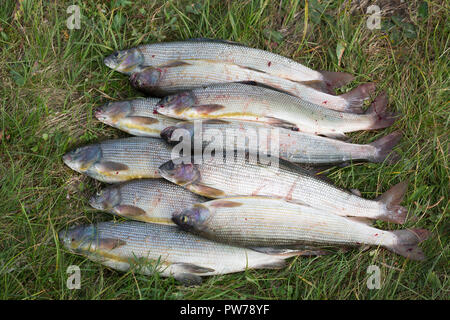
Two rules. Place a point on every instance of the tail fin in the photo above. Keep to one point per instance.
(383, 148)
(356, 97)
(391, 199)
(335, 80)
(406, 244)
(381, 117)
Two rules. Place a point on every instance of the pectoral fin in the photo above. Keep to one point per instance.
(281, 123)
(206, 109)
(142, 120)
(110, 166)
(129, 211)
(110, 243)
(193, 268)
(205, 190)
(177, 63)
(225, 204)
(188, 279)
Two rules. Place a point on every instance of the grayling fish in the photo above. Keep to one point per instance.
(161, 54)
(257, 222)
(238, 176)
(244, 102)
(148, 200)
(120, 159)
(182, 76)
(137, 117)
(163, 248)
(294, 146)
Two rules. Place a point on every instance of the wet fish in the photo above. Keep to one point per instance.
(120, 159)
(148, 200)
(257, 222)
(239, 176)
(244, 102)
(183, 76)
(294, 146)
(137, 117)
(163, 248)
(161, 54)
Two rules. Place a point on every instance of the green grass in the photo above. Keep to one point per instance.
(52, 78)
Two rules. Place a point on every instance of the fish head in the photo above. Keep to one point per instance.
(79, 238)
(192, 219)
(171, 135)
(174, 105)
(81, 159)
(147, 78)
(106, 199)
(112, 112)
(125, 61)
(180, 173)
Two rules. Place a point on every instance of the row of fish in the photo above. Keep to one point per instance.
(262, 214)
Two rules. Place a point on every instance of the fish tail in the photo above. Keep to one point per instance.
(383, 148)
(355, 98)
(391, 199)
(407, 241)
(335, 80)
(381, 118)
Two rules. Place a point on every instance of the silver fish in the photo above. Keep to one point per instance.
(137, 117)
(218, 178)
(294, 146)
(161, 54)
(183, 76)
(120, 159)
(148, 200)
(162, 248)
(244, 102)
(265, 222)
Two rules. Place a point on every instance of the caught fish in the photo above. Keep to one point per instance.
(294, 146)
(182, 76)
(137, 117)
(162, 54)
(220, 178)
(244, 102)
(260, 222)
(120, 159)
(162, 248)
(148, 200)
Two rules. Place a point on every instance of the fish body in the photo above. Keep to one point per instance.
(137, 117)
(294, 146)
(120, 159)
(148, 200)
(184, 76)
(239, 176)
(268, 222)
(161, 54)
(251, 103)
(162, 248)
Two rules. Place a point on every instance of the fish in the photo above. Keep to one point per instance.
(137, 117)
(120, 160)
(261, 222)
(149, 248)
(147, 200)
(249, 175)
(162, 54)
(184, 76)
(250, 103)
(294, 146)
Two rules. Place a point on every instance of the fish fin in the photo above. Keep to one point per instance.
(335, 80)
(205, 191)
(110, 243)
(381, 117)
(111, 166)
(176, 63)
(142, 120)
(278, 264)
(355, 98)
(362, 220)
(391, 199)
(284, 252)
(318, 85)
(224, 204)
(281, 123)
(216, 41)
(205, 109)
(129, 211)
(383, 147)
(193, 268)
(407, 241)
(335, 135)
(356, 192)
(215, 121)
(188, 279)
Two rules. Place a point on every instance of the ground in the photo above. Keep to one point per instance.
(52, 78)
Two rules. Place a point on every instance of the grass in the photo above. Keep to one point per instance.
(52, 78)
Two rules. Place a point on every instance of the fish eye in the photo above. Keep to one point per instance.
(184, 219)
